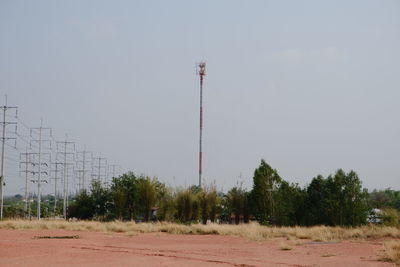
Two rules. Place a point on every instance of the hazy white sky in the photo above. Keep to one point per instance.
(310, 86)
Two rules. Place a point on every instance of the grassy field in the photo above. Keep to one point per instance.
(253, 231)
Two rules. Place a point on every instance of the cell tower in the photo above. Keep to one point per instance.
(201, 70)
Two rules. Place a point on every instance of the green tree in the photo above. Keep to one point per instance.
(120, 200)
(185, 200)
(337, 200)
(101, 199)
(166, 200)
(290, 208)
(196, 209)
(390, 217)
(147, 195)
(355, 200)
(265, 183)
(124, 195)
(315, 201)
(387, 198)
(208, 201)
(379, 199)
(237, 200)
(82, 207)
(204, 206)
(214, 201)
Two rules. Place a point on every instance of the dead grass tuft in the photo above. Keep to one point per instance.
(252, 231)
(285, 246)
(391, 251)
(328, 255)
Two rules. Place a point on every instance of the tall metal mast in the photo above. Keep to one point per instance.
(201, 68)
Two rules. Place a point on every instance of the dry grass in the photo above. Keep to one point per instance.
(251, 231)
(328, 255)
(391, 251)
(285, 246)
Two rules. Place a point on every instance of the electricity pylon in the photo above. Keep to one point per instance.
(4, 138)
(41, 131)
(26, 160)
(83, 158)
(68, 161)
(99, 169)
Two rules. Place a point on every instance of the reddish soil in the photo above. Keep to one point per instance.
(20, 248)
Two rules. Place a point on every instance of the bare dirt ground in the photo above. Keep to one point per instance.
(21, 248)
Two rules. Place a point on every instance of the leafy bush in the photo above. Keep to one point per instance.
(390, 217)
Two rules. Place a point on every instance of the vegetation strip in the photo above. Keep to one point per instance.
(336, 200)
(252, 231)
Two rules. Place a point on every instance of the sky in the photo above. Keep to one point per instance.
(309, 86)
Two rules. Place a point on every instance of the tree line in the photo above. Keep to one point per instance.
(338, 199)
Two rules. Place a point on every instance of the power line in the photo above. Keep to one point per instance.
(55, 184)
(4, 123)
(23, 124)
(40, 142)
(82, 159)
(22, 138)
(65, 152)
(12, 156)
(11, 159)
(99, 169)
(114, 170)
(13, 147)
(27, 162)
(41, 165)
